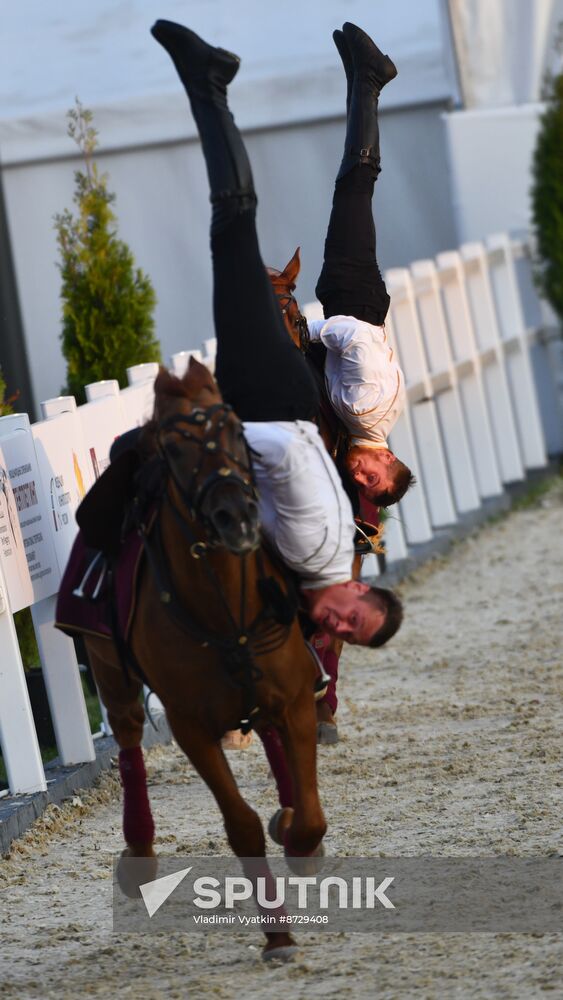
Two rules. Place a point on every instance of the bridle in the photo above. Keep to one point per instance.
(212, 420)
(286, 299)
(242, 640)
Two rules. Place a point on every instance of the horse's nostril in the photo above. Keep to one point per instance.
(223, 518)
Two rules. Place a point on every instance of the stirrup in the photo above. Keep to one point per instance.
(323, 679)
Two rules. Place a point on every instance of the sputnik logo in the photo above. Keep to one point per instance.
(156, 893)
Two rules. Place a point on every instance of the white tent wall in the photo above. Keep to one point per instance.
(503, 48)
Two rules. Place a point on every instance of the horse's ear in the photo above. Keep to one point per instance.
(197, 377)
(167, 384)
(286, 279)
(292, 269)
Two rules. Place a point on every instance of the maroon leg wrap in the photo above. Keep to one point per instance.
(138, 824)
(276, 758)
(330, 663)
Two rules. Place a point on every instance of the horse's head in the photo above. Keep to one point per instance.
(202, 443)
(283, 283)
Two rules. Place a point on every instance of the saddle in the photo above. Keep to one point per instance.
(99, 585)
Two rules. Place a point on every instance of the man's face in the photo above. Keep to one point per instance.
(372, 470)
(340, 611)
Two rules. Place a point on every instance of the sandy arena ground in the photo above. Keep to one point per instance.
(450, 743)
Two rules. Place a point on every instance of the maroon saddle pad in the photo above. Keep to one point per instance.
(83, 604)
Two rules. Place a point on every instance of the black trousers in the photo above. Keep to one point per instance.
(350, 282)
(259, 370)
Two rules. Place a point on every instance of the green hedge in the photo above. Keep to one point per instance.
(547, 197)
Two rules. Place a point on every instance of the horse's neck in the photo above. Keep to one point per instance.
(208, 581)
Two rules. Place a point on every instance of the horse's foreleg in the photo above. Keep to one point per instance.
(126, 717)
(303, 830)
(242, 824)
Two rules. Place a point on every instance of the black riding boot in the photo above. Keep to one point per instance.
(371, 71)
(346, 56)
(206, 72)
(350, 282)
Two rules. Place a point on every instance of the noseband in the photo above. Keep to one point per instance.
(212, 420)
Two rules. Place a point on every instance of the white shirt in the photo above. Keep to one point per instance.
(303, 508)
(365, 385)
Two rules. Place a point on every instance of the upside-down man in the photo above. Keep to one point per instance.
(363, 381)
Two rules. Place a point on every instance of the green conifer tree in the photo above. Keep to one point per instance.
(547, 196)
(107, 302)
(5, 404)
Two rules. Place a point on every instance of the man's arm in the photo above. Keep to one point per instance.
(341, 334)
(303, 507)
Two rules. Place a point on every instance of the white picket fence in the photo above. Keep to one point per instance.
(481, 364)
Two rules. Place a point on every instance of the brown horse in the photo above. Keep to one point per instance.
(223, 655)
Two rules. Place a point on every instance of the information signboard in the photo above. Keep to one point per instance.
(65, 474)
(33, 513)
(138, 403)
(12, 550)
(101, 420)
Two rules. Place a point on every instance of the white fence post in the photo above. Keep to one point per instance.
(60, 673)
(408, 339)
(370, 566)
(444, 385)
(413, 508)
(517, 362)
(137, 398)
(179, 362)
(480, 296)
(18, 738)
(63, 684)
(394, 538)
(210, 355)
(469, 374)
(146, 372)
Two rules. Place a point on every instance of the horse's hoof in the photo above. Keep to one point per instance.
(133, 871)
(277, 828)
(308, 864)
(327, 733)
(288, 953)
